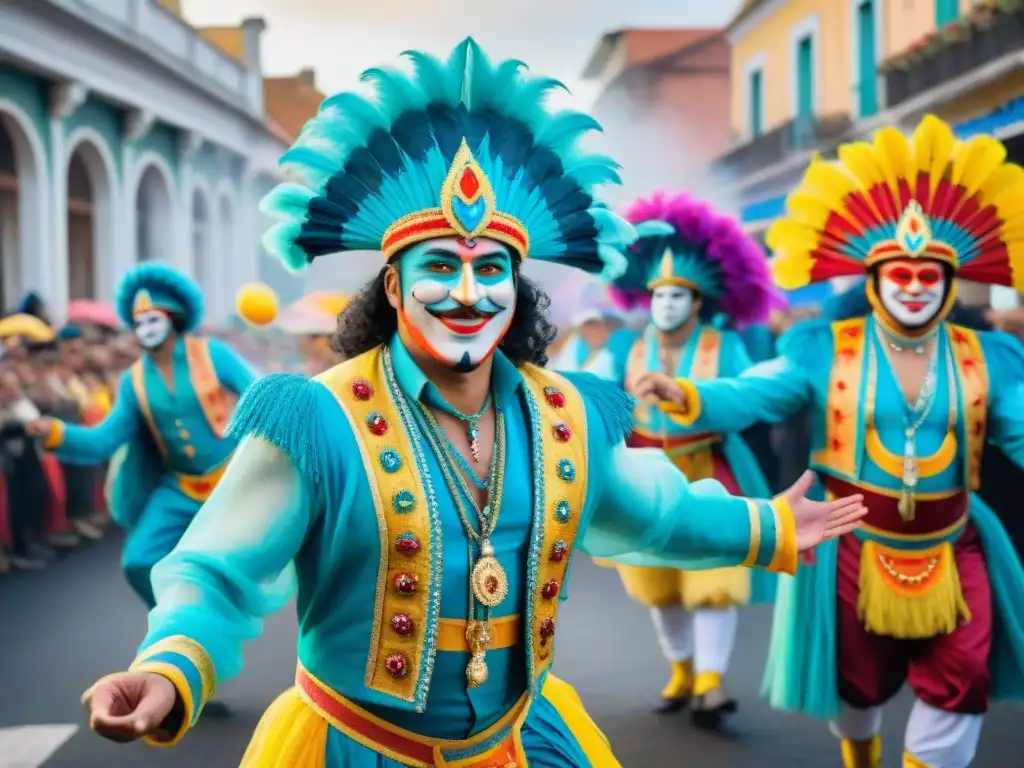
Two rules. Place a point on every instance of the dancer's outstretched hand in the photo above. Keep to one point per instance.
(820, 520)
(655, 385)
(130, 705)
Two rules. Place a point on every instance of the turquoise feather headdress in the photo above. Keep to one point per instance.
(459, 148)
(154, 285)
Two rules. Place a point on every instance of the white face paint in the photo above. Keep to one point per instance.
(457, 299)
(152, 328)
(671, 307)
(912, 292)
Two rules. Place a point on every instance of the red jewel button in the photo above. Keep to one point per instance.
(396, 664)
(405, 583)
(562, 432)
(402, 624)
(550, 590)
(558, 550)
(362, 389)
(377, 424)
(547, 630)
(554, 396)
(407, 544)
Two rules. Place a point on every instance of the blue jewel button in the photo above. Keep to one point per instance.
(566, 470)
(390, 461)
(403, 502)
(563, 512)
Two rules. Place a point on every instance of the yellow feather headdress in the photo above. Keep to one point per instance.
(928, 195)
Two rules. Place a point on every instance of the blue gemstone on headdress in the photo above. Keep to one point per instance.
(470, 215)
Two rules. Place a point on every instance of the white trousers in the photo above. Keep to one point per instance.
(706, 635)
(937, 738)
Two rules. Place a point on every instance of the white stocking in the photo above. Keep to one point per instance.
(674, 628)
(714, 631)
(942, 739)
(857, 724)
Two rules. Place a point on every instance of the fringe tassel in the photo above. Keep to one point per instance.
(909, 611)
(611, 402)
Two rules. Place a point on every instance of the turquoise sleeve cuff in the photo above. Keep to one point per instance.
(189, 668)
(772, 536)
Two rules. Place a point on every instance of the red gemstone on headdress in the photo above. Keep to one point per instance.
(405, 583)
(547, 630)
(469, 184)
(396, 664)
(362, 389)
(402, 624)
(554, 397)
(407, 544)
(562, 432)
(550, 590)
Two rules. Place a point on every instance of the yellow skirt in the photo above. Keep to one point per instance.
(293, 734)
(663, 587)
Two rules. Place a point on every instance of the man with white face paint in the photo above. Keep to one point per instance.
(441, 424)
(170, 416)
(928, 591)
(586, 349)
(703, 261)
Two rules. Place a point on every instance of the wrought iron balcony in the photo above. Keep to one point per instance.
(800, 134)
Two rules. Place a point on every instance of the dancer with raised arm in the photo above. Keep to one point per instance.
(431, 490)
(929, 590)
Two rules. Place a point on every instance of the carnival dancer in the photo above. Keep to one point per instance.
(586, 350)
(432, 488)
(170, 414)
(702, 274)
(928, 591)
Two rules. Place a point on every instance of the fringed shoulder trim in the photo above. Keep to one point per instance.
(288, 411)
(609, 402)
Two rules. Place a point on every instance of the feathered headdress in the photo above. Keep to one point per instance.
(157, 286)
(703, 249)
(928, 195)
(462, 148)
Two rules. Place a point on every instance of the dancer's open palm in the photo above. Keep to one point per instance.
(820, 520)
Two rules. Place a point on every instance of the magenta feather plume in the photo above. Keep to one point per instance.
(746, 291)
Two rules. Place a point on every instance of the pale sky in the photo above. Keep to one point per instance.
(340, 38)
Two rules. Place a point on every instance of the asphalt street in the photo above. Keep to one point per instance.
(62, 628)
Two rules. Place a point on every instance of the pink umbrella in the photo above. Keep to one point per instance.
(91, 311)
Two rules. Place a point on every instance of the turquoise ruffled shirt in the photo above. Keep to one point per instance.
(192, 446)
(297, 495)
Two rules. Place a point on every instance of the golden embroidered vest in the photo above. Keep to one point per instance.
(410, 529)
(213, 400)
(909, 586)
(691, 453)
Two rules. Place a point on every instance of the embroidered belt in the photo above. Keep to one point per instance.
(199, 487)
(641, 439)
(938, 518)
(497, 747)
(505, 633)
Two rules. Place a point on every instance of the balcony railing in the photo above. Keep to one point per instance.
(799, 134)
(985, 35)
(173, 36)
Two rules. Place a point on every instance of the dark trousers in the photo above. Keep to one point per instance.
(27, 494)
(81, 485)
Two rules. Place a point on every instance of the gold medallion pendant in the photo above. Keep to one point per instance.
(490, 582)
(478, 636)
(476, 670)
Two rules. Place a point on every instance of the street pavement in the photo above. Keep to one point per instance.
(63, 628)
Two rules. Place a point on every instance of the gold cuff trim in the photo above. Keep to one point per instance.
(55, 438)
(687, 412)
(180, 683)
(785, 558)
(191, 650)
(755, 534)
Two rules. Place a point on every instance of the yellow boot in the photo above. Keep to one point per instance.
(866, 753)
(676, 694)
(909, 761)
(710, 701)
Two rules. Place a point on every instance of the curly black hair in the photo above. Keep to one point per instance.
(369, 320)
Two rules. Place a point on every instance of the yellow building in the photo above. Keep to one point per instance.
(810, 74)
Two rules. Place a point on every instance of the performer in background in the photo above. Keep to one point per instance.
(432, 489)
(928, 591)
(702, 274)
(586, 349)
(171, 413)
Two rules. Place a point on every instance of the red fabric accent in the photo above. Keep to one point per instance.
(6, 535)
(57, 500)
(949, 672)
(724, 473)
(635, 440)
(930, 516)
